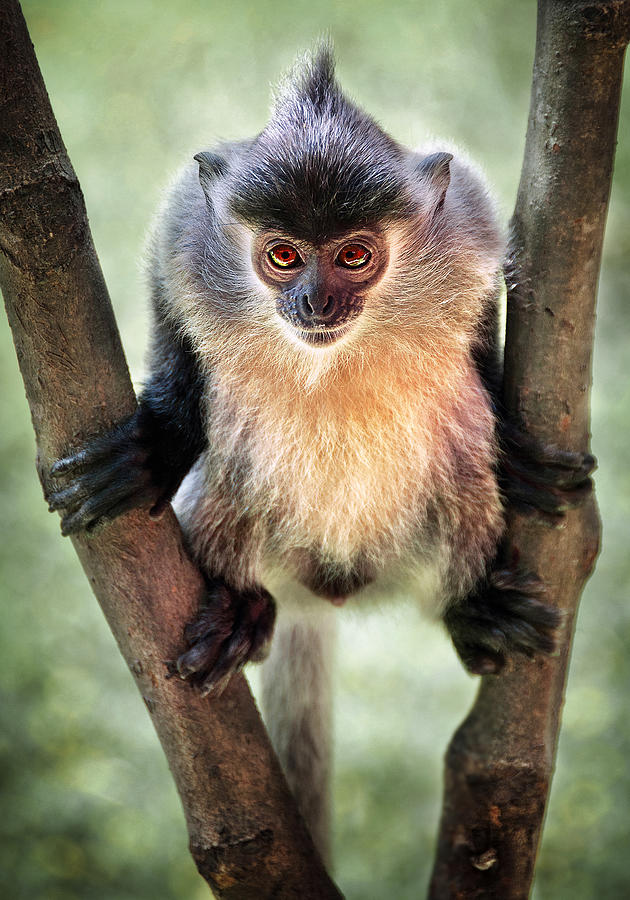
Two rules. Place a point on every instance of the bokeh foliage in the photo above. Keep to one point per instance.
(88, 807)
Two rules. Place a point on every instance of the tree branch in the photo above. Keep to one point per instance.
(499, 763)
(245, 834)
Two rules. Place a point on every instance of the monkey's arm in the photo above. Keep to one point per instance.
(143, 460)
(507, 611)
(530, 473)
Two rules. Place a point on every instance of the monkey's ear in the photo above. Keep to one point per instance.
(211, 165)
(435, 170)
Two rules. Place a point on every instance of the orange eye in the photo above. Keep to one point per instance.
(284, 256)
(352, 256)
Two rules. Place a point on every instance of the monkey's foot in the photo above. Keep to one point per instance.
(109, 476)
(505, 615)
(541, 475)
(232, 628)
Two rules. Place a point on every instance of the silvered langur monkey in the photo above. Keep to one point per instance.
(323, 407)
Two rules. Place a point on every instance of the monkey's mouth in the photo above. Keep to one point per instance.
(320, 337)
(315, 326)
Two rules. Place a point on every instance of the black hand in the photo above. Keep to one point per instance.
(116, 472)
(506, 614)
(232, 628)
(540, 475)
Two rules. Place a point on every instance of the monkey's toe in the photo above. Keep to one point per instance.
(506, 615)
(232, 628)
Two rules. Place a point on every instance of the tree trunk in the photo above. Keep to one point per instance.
(245, 834)
(246, 837)
(500, 761)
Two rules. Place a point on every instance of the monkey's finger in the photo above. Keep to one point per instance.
(121, 472)
(517, 584)
(529, 638)
(558, 476)
(230, 662)
(201, 657)
(547, 457)
(105, 505)
(582, 463)
(92, 460)
(84, 486)
(536, 498)
(212, 662)
(548, 499)
(133, 501)
(91, 455)
(247, 642)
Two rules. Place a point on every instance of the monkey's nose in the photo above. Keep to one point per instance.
(318, 313)
(316, 310)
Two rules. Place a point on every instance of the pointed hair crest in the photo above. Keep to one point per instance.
(321, 165)
(311, 80)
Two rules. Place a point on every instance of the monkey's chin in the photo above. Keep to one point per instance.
(322, 337)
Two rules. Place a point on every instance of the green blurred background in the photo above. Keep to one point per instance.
(88, 806)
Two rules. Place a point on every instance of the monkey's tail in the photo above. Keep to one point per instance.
(297, 706)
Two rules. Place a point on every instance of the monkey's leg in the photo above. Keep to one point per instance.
(504, 615)
(232, 627)
(507, 612)
(236, 618)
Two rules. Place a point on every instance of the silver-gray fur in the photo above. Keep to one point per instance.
(398, 414)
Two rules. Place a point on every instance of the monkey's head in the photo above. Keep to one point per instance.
(343, 224)
(320, 287)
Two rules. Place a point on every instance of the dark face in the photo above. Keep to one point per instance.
(320, 290)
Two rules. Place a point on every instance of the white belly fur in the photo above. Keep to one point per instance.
(418, 582)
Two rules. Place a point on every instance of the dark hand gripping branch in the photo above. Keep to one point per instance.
(143, 460)
(509, 612)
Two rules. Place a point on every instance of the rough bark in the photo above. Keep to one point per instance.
(245, 834)
(499, 763)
